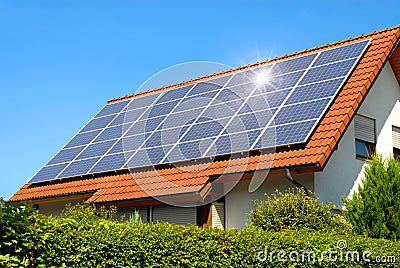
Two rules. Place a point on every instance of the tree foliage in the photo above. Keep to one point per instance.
(374, 210)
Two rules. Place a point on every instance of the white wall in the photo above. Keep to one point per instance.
(343, 172)
(239, 201)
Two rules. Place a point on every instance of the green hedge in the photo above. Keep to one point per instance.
(81, 239)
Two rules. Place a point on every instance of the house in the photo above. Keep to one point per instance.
(326, 156)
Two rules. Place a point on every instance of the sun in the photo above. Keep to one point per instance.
(262, 78)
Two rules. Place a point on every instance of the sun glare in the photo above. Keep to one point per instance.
(262, 78)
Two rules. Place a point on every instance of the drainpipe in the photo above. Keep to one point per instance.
(290, 178)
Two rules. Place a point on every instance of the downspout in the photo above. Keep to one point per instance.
(290, 178)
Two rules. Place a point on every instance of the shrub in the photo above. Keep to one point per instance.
(16, 235)
(294, 210)
(374, 210)
(79, 239)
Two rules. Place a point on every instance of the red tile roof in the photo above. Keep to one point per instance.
(311, 157)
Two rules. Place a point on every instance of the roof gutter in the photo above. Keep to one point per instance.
(290, 178)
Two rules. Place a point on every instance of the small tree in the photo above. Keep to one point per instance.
(294, 210)
(374, 209)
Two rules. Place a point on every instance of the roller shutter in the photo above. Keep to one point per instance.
(364, 128)
(396, 137)
(178, 215)
(218, 215)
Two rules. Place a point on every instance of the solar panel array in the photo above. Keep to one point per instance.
(228, 114)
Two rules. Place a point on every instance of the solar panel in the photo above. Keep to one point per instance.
(224, 115)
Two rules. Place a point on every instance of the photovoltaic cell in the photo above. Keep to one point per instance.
(300, 112)
(96, 149)
(77, 168)
(83, 138)
(48, 173)
(315, 91)
(173, 94)
(224, 115)
(113, 108)
(328, 71)
(98, 123)
(341, 53)
(109, 162)
(66, 155)
(109, 133)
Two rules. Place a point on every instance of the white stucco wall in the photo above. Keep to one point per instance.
(239, 201)
(343, 172)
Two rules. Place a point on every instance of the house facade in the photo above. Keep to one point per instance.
(362, 119)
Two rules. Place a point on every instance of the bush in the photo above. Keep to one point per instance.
(105, 243)
(294, 210)
(374, 210)
(16, 235)
(81, 239)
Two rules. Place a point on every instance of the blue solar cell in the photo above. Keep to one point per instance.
(250, 121)
(302, 111)
(205, 130)
(133, 143)
(341, 53)
(77, 168)
(267, 139)
(113, 108)
(142, 102)
(293, 133)
(325, 72)
(110, 162)
(145, 126)
(110, 133)
(255, 103)
(244, 90)
(162, 109)
(117, 148)
(82, 139)
(234, 143)
(96, 149)
(174, 94)
(292, 65)
(181, 118)
(147, 157)
(154, 140)
(315, 91)
(203, 87)
(241, 78)
(127, 117)
(98, 123)
(202, 100)
(189, 150)
(48, 173)
(227, 95)
(280, 82)
(66, 155)
(221, 110)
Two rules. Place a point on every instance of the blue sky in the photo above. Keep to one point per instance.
(60, 61)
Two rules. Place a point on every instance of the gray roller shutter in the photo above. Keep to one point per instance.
(364, 128)
(396, 137)
(127, 212)
(218, 215)
(178, 215)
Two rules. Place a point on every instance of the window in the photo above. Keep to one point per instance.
(396, 142)
(365, 136)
